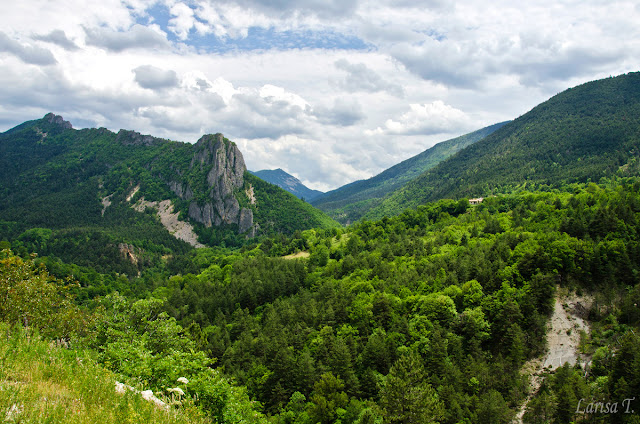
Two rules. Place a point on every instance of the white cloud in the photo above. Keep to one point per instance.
(137, 37)
(58, 37)
(426, 119)
(153, 78)
(344, 112)
(27, 53)
(424, 71)
(362, 78)
(182, 20)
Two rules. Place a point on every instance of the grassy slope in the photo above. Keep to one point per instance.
(352, 201)
(40, 382)
(586, 132)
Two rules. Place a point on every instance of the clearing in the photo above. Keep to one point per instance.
(302, 254)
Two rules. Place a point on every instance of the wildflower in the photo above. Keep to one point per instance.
(176, 390)
(183, 380)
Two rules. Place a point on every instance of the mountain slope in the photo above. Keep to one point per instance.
(584, 133)
(84, 185)
(350, 202)
(288, 182)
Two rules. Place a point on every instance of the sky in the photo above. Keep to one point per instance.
(331, 91)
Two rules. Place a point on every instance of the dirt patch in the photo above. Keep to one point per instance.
(133, 192)
(179, 229)
(106, 202)
(303, 254)
(563, 339)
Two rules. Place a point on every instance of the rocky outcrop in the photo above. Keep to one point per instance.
(133, 138)
(245, 222)
(224, 167)
(128, 252)
(57, 120)
(170, 220)
(183, 191)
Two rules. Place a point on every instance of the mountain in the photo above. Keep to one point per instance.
(584, 133)
(288, 182)
(350, 202)
(132, 195)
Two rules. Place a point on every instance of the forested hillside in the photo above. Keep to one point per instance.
(288, 182)
(581, 134)
(449, 300)
(92, 197)
(434, 315)
(350, 202)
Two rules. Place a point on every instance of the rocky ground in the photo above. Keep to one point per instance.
(563, 340)
(179, 229)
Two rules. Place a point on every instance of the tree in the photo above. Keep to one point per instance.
(493, 409)
(406, 397)
(328, 399)
(31, 297)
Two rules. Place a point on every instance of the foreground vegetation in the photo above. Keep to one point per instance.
(425, 317)
(41, 381)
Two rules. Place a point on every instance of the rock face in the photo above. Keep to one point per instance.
(57, 120)
(224, 166)
(183, 191)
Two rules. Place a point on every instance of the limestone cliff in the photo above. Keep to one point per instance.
(223, 166)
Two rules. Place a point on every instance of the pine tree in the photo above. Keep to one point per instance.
(407, 397)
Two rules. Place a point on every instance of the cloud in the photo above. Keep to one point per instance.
(332, 91)
(153, 78)
(445, 62)
(28, 54)
(426, 119)
(137, 37)
(57, 37)
(344, 113)
(561, 64)
(250, 115)
(182, 20)
(361, 78)
(327, 9)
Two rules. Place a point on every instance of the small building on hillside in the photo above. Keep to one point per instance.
(476, 201)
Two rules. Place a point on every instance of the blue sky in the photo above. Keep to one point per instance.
(330, 91)
(257, 38)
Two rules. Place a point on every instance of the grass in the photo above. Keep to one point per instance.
(43, 383)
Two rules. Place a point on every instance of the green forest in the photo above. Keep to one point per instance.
(350, 202)
(582, 134)
(427, 309)
(428, 316)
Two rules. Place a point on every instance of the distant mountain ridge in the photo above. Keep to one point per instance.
(288, 182)
(350, 202)
(584, 133)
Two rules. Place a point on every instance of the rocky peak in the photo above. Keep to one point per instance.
(57, 120)
(224, 166)
(133, 138)
(225, 154)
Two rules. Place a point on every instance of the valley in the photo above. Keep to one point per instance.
(133, 259)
